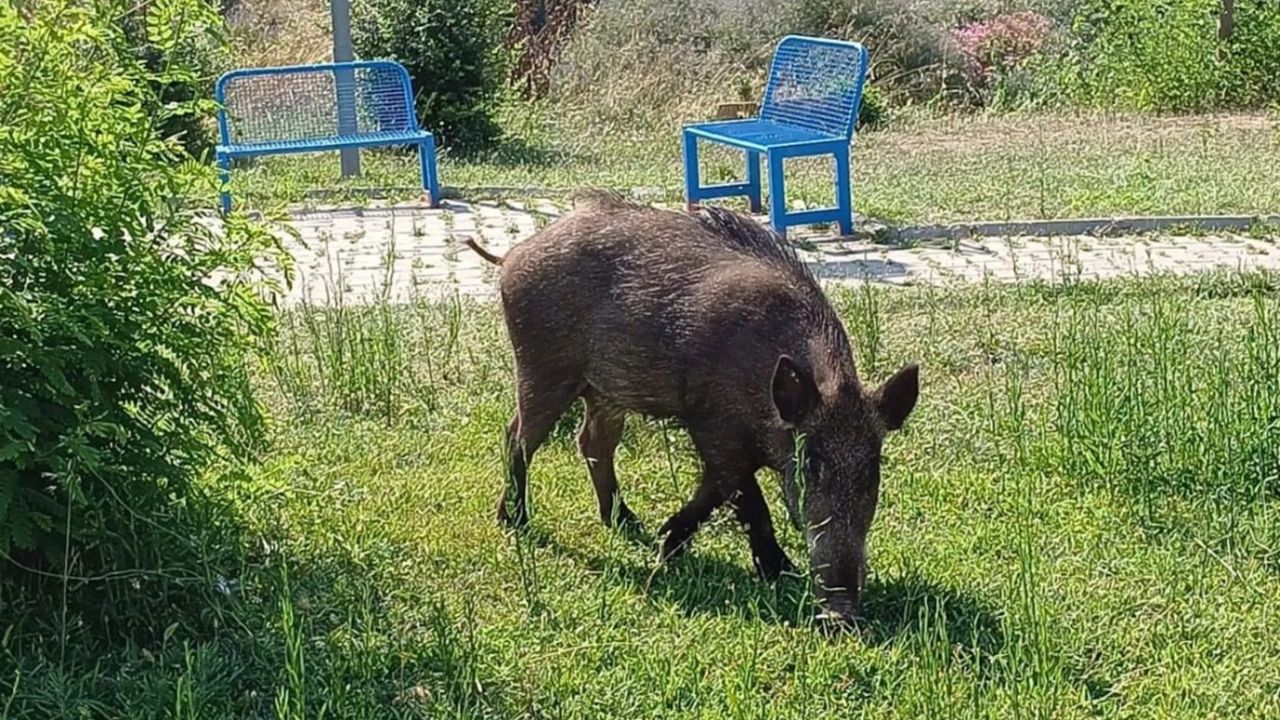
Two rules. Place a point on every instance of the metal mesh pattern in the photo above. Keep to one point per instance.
(317, 102)
(816, 85)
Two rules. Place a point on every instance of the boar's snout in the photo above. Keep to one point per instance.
(840, 580)
(832, 485)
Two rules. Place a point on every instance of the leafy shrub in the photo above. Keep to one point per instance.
(1166, 56)
(1253, 55)
(125, 322)
(454, 53)
(998, 53)
(874, 110)
(183, 68)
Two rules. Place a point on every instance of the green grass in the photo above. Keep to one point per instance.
(1080, 520)
(998, 167)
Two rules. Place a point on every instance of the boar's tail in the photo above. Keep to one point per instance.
(475, 247)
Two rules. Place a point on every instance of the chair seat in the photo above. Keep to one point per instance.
(320, 144)
(757, 134)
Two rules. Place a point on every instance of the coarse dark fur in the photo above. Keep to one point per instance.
(713, 320)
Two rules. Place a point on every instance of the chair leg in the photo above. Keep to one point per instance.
(691, 196)
(844, 193)
(777, 195)
(430, 176)
(753, 180)
(224, 178)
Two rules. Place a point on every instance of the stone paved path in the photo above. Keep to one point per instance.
(407, 251)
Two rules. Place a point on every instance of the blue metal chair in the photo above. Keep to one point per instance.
(309, 108)
(810, 107)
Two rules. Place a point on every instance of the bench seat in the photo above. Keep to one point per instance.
(322, 144)
(761, 135)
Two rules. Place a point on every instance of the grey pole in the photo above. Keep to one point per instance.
(343, 52)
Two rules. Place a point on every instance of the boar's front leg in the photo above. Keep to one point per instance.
(753, 512)
(679, 528)
(723, 472)
(598, 439)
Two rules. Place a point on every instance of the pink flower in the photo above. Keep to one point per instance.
(1004, 42)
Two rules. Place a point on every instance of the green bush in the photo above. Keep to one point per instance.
(874, 110)
(183, 69)
(454, 53)
(1253, 54)
(125, 321)
(1166, 56)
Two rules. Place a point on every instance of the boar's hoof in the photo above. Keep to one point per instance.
(677, 540)
(838, 615)
(774, 566)
(621, 518)
(512, 515)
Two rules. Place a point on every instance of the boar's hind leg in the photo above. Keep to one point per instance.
(537, 409)
(753, 513)
(598, 438)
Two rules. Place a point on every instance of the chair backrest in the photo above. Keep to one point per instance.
(313, 102)
(816, 84)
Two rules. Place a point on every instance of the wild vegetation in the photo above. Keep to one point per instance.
(1080, 521)
(212, 508)
(126, 322)
(1039, 108)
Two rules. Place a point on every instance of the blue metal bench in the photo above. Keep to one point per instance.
(810, 106)
(308, 108)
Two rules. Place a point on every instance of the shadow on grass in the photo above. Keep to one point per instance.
(908, 610)
(262, 627)
(700, 584)
(511, 152)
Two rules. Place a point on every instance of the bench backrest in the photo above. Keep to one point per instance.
(816, 84)
(314, 102)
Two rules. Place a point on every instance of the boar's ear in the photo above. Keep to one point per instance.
(794, 393)
(896, 398)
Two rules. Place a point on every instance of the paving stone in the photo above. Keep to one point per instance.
(342, 255)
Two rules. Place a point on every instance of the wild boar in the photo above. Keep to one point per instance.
(713, 320)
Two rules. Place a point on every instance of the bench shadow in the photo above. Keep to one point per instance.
(873, 270)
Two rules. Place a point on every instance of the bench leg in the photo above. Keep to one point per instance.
(430, 177)
(844, 192)
(777, 195)
(691, 196)
(753, 180)
(224, 180)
